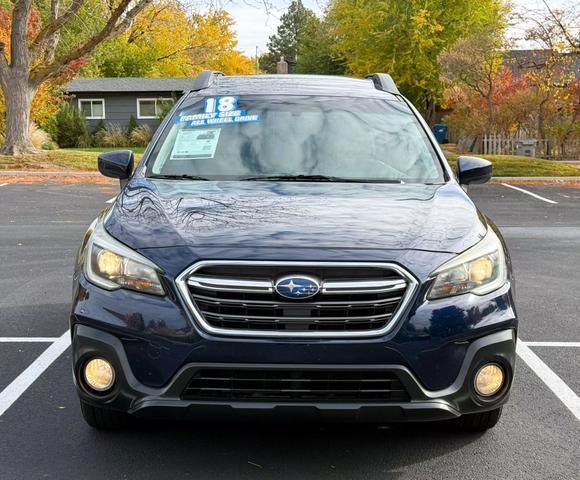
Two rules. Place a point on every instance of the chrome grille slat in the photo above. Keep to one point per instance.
(268, 303)
(360, 287)
(231, 284)
(295, 319)
(239, 298)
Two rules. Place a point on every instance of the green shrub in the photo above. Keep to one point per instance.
(132, 124)
(141, 136)
(50, 127)
(70, 127)
(165, 107)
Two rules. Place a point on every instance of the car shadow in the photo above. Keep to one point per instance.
(283, 449)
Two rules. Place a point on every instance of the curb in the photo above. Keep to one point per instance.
(60, 173)
(537, 180)
(81, 174)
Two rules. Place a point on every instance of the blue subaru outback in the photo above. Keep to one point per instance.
(293, 245)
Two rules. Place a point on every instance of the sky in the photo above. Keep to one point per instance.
(255, 24)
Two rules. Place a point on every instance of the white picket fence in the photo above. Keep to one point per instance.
(501, 145)
(494, 144)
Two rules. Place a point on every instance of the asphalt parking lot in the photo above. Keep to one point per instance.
(42, 434)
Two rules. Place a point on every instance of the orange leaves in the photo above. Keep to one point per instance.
(34, 26)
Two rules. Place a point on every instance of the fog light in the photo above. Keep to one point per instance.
(99, 374)
(489, 380)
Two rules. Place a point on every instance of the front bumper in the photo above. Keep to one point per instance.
(131, 395)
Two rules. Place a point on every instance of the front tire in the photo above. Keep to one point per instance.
(104, 419)
(479, 422)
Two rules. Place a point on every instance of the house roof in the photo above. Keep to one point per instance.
(522, 60)
(232, 85)
(128, 84)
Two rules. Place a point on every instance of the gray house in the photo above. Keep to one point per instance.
(114, 100)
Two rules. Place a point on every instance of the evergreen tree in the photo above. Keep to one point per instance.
(132, 124)
(285, 43)
(317, 53)
(71, 129)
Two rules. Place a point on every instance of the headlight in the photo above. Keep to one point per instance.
(112, 265)
(479, 270)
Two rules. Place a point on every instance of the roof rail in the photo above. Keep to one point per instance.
(206, 79)
(384, 82)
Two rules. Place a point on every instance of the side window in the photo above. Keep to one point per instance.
(92, 108)
(151, 108)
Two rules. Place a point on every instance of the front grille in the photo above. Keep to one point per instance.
(240, 298)
(295, 385)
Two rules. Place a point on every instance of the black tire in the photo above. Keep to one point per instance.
(479, 422)
(104, 419)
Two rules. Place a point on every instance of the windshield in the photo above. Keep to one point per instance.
(256, 137)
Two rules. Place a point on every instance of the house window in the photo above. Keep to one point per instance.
(148, 108)
(92, 108)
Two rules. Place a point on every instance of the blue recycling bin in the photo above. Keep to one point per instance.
(441, 131)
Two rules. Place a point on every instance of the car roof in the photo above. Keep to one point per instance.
(294, 85)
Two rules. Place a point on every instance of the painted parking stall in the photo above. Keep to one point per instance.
(40, 228)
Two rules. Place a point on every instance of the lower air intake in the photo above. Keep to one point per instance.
(295, 385)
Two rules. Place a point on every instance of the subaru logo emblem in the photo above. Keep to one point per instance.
(297, 287)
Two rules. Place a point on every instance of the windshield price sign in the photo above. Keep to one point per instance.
(218, 111)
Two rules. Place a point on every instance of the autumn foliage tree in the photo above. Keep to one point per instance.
(35, 52)
(167, 41)
(534, 93)
(473, 62)
(405, 38)
(45, 43)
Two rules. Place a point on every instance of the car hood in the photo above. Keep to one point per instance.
(169, 213)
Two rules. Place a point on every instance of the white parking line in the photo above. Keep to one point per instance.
(59, 344)
(553, 381)
(3, 184)
(28, 339)
(544, 199)
(21, 383)
(111, 200)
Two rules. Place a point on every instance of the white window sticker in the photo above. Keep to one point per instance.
(193, 144)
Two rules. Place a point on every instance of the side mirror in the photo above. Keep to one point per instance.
(117, 164)
(473, 170)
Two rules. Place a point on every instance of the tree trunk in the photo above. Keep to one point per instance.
(541, 128)
(489, 101)
(18, 95)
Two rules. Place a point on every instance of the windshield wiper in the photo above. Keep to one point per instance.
(315, 178)
(180, 177)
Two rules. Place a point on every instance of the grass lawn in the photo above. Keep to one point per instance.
(86, 159)
(62, 159)
(106, 149)
(516, 166)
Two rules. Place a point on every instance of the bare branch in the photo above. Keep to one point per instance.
(48, 36)
(574, 44)
(52, 40)
(112, 28)
(189, 48)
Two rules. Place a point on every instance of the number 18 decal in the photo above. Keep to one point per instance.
(221, 104)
